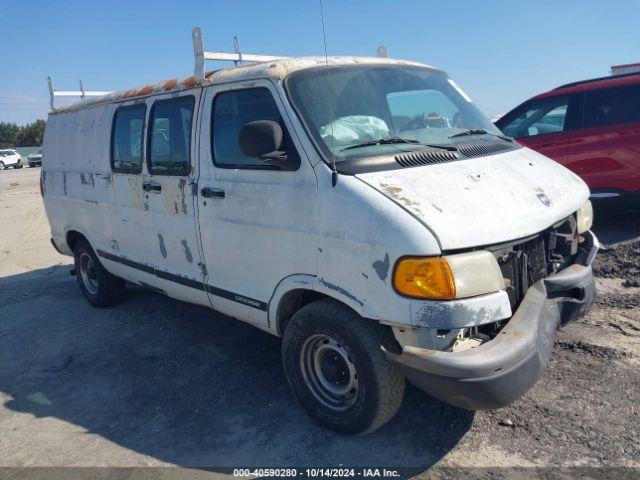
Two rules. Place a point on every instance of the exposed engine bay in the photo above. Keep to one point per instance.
(522, 263)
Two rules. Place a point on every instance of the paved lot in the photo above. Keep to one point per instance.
(155, 381)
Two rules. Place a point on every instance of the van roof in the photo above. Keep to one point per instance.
(275, 69)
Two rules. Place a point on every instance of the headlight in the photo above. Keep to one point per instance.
(448, 277)
(585, 217)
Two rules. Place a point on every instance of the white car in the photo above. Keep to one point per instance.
(35, 159)
(386, 230)
(10, 158)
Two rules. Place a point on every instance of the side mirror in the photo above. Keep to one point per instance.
(263, 139)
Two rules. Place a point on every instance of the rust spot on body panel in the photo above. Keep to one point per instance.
(163, 247)
(203, 268)
(396, 194)
(342, 291)
(182, 183)
(87, 179)
(190, 82)
(170, 84)
(382, 267)
(187, 251)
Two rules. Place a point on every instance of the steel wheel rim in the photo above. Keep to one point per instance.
(88, 273)
(328, 372)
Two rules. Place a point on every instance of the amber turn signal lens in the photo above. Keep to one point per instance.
(425, 277)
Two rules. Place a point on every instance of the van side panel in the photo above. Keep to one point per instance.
(364, 234)
(76, 175)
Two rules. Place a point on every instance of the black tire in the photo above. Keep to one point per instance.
(378, 385)
(2, 167)
(98, 286)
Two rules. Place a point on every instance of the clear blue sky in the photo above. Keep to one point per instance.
(500, 52)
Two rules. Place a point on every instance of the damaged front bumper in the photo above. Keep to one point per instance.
(501, 370)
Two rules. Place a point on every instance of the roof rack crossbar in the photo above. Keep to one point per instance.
(201, 55)
(82, 93)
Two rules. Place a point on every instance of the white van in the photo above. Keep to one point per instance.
(385, 231)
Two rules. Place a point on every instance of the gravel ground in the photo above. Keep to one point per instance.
(154, 381)
(620, 261)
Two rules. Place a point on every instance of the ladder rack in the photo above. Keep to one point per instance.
(201, 55)
(82, 93)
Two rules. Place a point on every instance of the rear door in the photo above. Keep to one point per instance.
(170, 238)
(608, 156)
(127, 197)
(152, 205)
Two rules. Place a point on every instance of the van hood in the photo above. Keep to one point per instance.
(486, 200)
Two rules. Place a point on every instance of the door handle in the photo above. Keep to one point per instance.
(209, 192)
(151, 187)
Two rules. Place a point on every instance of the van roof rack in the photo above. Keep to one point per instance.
(201, 55)
(82, 93)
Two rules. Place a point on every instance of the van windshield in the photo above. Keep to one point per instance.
(393, 108)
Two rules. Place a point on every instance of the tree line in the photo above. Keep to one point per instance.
(14, 135)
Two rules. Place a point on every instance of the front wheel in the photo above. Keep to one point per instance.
(334, 364)
(99, 287)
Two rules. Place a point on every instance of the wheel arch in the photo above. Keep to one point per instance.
(291, 302)
(72, 237)
(296, 291)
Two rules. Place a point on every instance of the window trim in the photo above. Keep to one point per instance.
(163, 101)
(244, 166)
(142, 137)
(572, 120)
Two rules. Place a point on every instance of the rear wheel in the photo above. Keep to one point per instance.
(99, 287)
(17, 165)
(2, 167)
(336, 368)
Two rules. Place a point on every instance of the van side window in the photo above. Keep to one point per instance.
(126, 139)
(538, 118)
(169, 138)
(612, 106)
(230, 112)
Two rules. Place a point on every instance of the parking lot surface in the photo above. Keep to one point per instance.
(154, 381)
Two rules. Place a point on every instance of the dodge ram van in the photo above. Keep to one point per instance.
(363, 209)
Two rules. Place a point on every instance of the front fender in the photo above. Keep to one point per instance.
(322, 285)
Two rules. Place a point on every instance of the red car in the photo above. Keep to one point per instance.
(591, 127)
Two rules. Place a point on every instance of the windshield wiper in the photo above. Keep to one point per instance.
(393, 140)
(480, 131)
